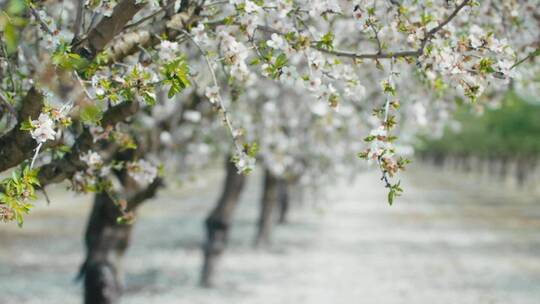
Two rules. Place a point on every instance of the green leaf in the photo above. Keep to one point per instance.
(91, 114)
(27, 125)
(149, 98)
(486, 65)
(11, 23)
(176, 73)
(395, 190)
(326, 41)
(391, 195)
(281, 61)
(11, 37)
(64, 58)
(19, 218)
(369, 138)
(16, 7)
(251, 150)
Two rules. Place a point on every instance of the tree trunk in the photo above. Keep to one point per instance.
(504, 168)
(284, 201)
(218, 222)
(523, 167)
(269, 200)
(106, 242)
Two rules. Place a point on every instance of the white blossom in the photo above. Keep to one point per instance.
(276, 42)
(212, 93)
(199, 34)
(142, 171)
(245, 163)
(251, 7)
(167, 50)
(43, 129)
(289, 75)
(192, 116)
(475, 36)
(92, 160)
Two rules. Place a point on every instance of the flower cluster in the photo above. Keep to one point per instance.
(42, 129)
(244, 162)
(381, 149)
(142, 171)
(234, 55)
(94, 175)
(130, 84)
(45, 127)
(168, 50)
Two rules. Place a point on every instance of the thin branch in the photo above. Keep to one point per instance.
(42, 23)
(353, 55)
(83, 86)
(226, 117)
(412, 53)
(376, 33)
(529, 56)
(36, 153)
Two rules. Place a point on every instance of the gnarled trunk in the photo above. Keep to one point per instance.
(218, 222)
(107, 239)
(106, 242)
(269, 200)
(524, 168)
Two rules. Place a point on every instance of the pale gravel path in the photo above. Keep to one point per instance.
(446, 241)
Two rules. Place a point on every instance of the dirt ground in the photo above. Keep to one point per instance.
(449, 239)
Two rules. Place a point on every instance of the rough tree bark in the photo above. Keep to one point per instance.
(106, 242)
(269, 201)
(17, 145)
(107, 239)
(218, 222)
(108, 27)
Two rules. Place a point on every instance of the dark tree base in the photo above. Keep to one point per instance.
(218, 222)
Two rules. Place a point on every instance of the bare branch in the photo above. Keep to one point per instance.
(42, 23)
(138, 197)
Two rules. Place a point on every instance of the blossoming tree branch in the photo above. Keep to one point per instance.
(77, 77)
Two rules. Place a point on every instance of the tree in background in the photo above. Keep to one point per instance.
(505, 133)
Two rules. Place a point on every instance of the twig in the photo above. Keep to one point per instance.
(42, 23)
(220, 100)
(412, 53)
(45, 195)
(35, 155)
(83, 85)
(529, 56)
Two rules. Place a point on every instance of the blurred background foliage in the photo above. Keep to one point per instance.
(509, 131)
